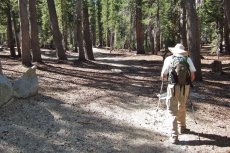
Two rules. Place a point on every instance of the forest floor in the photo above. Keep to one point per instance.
(109, 106)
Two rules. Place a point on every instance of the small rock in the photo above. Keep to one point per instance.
(116, 70)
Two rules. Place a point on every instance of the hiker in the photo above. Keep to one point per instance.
(178, 88)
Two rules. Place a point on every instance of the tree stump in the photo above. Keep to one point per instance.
(216, 66)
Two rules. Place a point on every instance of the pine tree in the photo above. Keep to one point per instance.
(227, 9)
(79, 22)
(99, 23)
(139, 28)
(34, 32)
(86, 31)
(10, 31)
(25, 37)
(194, 37)
(56, 31)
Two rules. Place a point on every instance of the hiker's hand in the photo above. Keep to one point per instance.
(192, 76)
(163, 76)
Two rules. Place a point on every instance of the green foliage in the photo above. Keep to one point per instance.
(3, 12)
(45, 33)
(3, 29)
(210, 13)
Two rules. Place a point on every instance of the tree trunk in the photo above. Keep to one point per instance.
(10, 32)
(150, 29)
(194, 37)
(182, 27)
(226, 34)
(220, 32)
(227, 10)
(65, 36)
(34, 32)
(131, 41)
(16, 31)
(64, 26)
(107, 25)
(111, 41)
(139, 28)
(76, 39)
(93, 21)
(157, 36)
(216, 66)
(151, 38)
(3, 38)
(56, 31)
(79, 30)
(25, 33)
(87, 38)
(70, 35)
(99, 15)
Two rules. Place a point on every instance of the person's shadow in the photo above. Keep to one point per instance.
(214, 140)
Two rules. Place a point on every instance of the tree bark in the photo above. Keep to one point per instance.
(194, 37)
(151, 38)
(87, 38)
(139, 28)
(111, 40)
(220, 32)
(16, 31)
(65, 36)
(25, 33)
(182, 27)
(10, 32)
(93, 21)
(100, 29)
(226, 34)
(34, 32)
(227, 10)
(75, 38)
(157, 36)
(56, 31)
(64, 26)
(79, 30)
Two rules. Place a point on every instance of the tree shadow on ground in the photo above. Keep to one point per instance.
(108, 80)
(45, 124)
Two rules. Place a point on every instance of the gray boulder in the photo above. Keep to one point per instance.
(27, 85)
(6, 90)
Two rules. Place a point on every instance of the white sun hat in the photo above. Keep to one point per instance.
(178, 49)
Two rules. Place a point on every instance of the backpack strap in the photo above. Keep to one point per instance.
(186, 59)
(173, 56)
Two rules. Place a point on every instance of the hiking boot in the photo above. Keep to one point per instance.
(183, 130)
(174, 139)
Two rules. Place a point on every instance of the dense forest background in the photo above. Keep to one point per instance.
(146, 26)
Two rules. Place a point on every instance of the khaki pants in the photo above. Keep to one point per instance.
(176, 106)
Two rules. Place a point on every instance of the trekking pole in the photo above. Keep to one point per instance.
(193, 112)
(162, 83)
(159, 96)
(194, 118)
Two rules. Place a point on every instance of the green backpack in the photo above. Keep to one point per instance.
(179, 72)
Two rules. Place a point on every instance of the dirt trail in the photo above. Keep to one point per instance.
(108, 105)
